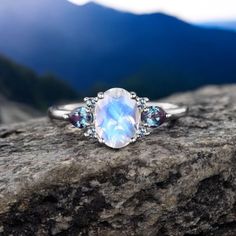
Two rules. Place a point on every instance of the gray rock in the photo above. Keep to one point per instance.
(179, 181)
(12, 112)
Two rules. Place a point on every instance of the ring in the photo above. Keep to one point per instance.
(117, 117)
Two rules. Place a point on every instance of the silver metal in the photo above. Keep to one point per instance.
(100, 95)
(62, 112)
(133, 95)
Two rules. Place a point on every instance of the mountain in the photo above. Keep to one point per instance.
(18, 83)
(226, 25)
(94, 47)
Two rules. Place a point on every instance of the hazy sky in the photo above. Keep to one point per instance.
(191, 10)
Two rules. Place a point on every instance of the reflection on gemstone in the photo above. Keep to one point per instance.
(153, 116)
(117, 118)
(80, 117)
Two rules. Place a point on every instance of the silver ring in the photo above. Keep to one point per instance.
(117, 117)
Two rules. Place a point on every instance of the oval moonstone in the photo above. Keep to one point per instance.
(117, 118)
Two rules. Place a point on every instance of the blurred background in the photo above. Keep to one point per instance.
(54, 51)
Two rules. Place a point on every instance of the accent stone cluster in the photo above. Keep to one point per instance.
(117, 117)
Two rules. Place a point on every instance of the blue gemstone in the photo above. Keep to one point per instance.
(81, 117)
(117, 118)
(153, 116)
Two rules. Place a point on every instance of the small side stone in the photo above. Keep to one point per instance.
(81, 117)
(153, 116)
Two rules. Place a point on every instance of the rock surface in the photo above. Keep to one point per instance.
(12, 112)
(179, 181)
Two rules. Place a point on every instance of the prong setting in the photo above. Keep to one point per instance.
(100, 95)
(134, 139)
(133, 95)
(101, 140)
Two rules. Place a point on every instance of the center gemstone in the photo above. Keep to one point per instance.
(117, 118)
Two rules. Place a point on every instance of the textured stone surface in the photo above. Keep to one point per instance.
(178, 181)
(12, 112)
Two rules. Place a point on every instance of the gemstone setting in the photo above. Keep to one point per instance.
(153, 116)
(81, 117)
(117, 118)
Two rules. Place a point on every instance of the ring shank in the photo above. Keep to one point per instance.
(62, 112)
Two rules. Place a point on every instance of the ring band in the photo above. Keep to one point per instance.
(117, 117)
(62, 112)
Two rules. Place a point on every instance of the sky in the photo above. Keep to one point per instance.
(190, 10)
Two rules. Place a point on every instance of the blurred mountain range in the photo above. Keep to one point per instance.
(226, 25)
(93, 47)
(18, 83)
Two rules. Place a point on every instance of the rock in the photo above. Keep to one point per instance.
(179, 181)
(12, 112)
